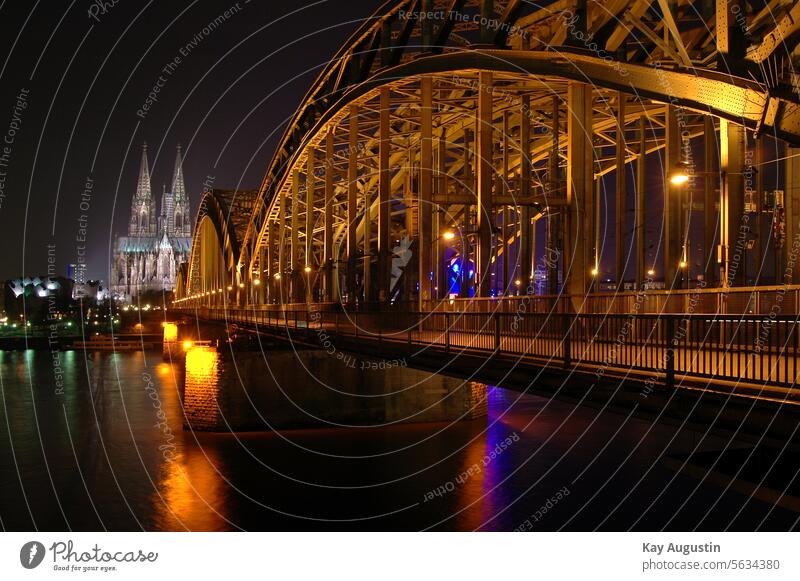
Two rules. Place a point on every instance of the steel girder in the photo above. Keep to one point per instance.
(736, 100)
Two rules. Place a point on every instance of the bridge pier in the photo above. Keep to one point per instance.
(246, 390)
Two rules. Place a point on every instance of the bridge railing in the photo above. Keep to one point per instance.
(760, 300)
(761, 349)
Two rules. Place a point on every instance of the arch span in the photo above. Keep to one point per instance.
(428, 144)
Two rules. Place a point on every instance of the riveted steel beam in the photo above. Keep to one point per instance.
(485, 154)
(580, 193)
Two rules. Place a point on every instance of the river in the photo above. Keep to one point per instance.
(84, 447)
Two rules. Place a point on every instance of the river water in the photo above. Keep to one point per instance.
(100, 446)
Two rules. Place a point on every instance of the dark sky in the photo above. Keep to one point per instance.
(84, 77)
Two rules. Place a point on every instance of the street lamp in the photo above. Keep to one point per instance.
(307, 269)
(448, 234)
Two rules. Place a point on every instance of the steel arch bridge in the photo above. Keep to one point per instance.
(444, 132)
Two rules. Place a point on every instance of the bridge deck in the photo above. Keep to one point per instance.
(755, 356)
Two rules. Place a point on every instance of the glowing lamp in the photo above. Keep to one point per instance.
(170, 332)
(187, 345)
(448, 235)
(679, 179)
(307, 269)
(681, 174)
(257, 281)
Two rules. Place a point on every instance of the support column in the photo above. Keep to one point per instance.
(442, 220)
(296, 250)
(282, 298)
(555, 217)
(352, 204)
(791, 200)
(465, 280)
(730, 35)
(261, 289)
(734, 223)
(425, 221)
(621, 194)
(758, 247)
(507, 282)
(710, 266)
(580, 193)
(366, 255)
(384, 198)
(308, 271)
(672, 241)
(269, 287)
(485, 170)
(328, 257)
(641, 223)
(527, 258)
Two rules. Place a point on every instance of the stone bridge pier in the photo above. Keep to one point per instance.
(241, 383)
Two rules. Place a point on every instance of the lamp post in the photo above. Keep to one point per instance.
(681, 175)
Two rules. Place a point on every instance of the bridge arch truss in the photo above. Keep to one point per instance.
(465, 154)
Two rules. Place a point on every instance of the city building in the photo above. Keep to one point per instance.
(148, 258)
(77, 272)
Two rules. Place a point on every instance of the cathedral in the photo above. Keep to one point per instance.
(148, 258)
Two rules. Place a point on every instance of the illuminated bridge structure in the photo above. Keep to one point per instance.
(518, 178)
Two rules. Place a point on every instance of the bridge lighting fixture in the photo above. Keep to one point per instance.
(307, 269)
(448, 234)
(230, 287)
(257, 281)
(518, 282)
(680, 176)
(277, 276)
(241, 285)
(651, 272)
(682, 264)
(595, 271)
(187, 345)
(679, 179)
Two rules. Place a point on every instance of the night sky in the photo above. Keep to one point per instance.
(84, 71)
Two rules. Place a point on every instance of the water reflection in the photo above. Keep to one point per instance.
(114, 448)
(192, 494)
(108, 451)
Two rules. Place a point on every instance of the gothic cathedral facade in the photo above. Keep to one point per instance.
(148, 258)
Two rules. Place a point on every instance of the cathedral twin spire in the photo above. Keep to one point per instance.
(174, 219)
